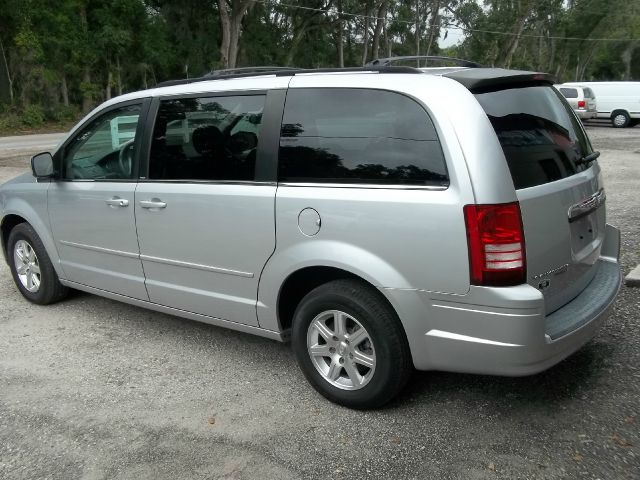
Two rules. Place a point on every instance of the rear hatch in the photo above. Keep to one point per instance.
(561, 195)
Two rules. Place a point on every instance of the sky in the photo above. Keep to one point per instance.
(454, 36)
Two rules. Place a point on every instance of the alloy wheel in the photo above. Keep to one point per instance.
(27, 266)
(341, 350)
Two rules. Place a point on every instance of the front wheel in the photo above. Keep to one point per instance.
(32, 270)
(350, 344)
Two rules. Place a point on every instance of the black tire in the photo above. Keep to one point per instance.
(393, 364)
(620, 119)
(50, 290)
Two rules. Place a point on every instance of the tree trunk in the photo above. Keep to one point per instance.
(340, 36)
(418, 32)
(513, 45)
(434, 28)
(225, 23)
(109, 82)
(6, 83)
(298, 35)
(382, 13)
(627, 55)
(231, 15)
(87, 98)
(118, 76)
(365, 46)
(65, 91)
(387, 40)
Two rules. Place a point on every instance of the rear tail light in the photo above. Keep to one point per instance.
(496, 244)
(581, 103)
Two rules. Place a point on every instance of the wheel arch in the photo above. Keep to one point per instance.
(8, 223)
(309, 262)
(19, 212)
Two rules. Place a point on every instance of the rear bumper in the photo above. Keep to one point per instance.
(504, 331)
(586, 115)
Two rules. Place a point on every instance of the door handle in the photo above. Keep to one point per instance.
(153, 203)
(117, 202)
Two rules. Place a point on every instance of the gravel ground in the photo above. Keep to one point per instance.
(95, 389)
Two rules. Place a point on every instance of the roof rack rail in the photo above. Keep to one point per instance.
(388, 61)
(241, 70)
(246, 72)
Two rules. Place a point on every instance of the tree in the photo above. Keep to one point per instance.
(231, 14)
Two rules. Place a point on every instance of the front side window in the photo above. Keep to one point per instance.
(105, 149)
(206, 139)
(339, 135)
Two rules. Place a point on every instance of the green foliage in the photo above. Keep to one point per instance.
(62, 114)
(9, 122)
(33, 116)
(81, 52)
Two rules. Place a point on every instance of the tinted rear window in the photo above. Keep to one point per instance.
(569, 92)
(540, 135)
(336, 135)
(588, 93)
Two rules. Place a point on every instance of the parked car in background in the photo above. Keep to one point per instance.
(581, 99)
(617, 101)
(380, 219)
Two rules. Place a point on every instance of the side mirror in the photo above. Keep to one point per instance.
(42, 165)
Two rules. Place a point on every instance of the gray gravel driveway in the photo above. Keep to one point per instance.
(94, 389)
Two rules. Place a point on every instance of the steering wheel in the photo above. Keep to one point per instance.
(125, 158)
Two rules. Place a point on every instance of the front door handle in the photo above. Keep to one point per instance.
(117, 202)
(153, 203)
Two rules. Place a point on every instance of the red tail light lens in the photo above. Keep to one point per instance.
(496, 244)
(581, 104)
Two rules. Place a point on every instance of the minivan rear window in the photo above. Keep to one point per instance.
(569, 92)
(541, 137)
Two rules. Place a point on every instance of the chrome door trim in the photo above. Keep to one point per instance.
(586, 206)
(100, 249)
(197, 266)
(363, 185)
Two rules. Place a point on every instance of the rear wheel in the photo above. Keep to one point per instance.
(350, 344)
(32, 270)
(620, 119)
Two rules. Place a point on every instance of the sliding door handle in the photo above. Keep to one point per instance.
(152, 204)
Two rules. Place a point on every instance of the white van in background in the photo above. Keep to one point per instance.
(617, 101)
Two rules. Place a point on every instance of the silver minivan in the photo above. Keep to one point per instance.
(380, 219)
(582, 100)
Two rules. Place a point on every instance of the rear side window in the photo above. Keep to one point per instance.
(358, 136)
(569, 92)
(540, 135)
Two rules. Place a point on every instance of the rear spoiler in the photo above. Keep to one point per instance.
(480, 80)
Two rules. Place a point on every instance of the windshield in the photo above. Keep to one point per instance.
(542, 139)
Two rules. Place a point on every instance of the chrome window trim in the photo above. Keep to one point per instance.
(364, 185)
(208, 182)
